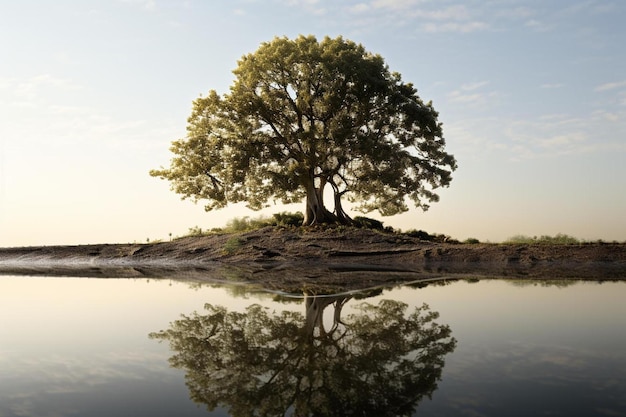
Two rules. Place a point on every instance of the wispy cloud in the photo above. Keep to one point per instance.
(459, 27)
(310, 6)
(471, 93)
(145, 4)
(68, 116)
(610, 86)
(548, 136)
(395, 4)
(30, 91)
(426, 16)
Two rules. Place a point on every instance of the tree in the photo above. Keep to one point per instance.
(377, 361)
(302, 116)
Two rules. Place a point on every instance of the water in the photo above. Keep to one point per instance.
(102, 347)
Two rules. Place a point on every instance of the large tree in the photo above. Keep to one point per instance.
(303, 117)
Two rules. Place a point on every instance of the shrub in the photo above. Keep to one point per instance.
(422, 235)
(419, 234)
(195, 231)
(232, 244)
(288, 219)
(367, 223)
(471, 241)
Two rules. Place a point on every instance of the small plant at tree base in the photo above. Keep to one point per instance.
(288, 219)
(367, 223)
(471, 241)
(419, 234)
(232, 245)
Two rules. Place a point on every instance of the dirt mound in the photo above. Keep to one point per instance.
(323, 257)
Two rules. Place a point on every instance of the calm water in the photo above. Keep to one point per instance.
(122, 347)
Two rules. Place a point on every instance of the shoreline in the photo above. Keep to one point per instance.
(318, 258)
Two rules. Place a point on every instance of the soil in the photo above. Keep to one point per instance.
(318, 260)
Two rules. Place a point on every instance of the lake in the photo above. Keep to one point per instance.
(159, 347)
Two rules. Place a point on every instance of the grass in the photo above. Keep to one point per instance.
(288, 219)
(232, 245)
(558, 239)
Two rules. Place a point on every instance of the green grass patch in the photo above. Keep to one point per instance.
(232, 245)
(558, 239)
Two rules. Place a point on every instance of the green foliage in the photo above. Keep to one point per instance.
(232, 245)
(367, 223)
(286, 218)
(196, 231)
(422, 235)
(471, 241)
(558, 239)
(419, 234)
(304, 114)
(243, 224)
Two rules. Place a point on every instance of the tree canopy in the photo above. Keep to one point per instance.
(305, 116)
(377, 361)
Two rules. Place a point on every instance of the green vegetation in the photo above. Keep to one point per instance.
(303, 116)
(471, 241)
(422, 235)
(233, 244)
(243, 224)
(367, 223)
(558, 239)
(288, 219)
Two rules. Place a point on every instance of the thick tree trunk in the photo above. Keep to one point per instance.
(342, 216)
(316, 212)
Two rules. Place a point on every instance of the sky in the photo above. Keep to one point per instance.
(531, 94)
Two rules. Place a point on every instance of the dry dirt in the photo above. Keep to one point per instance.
(318, 259)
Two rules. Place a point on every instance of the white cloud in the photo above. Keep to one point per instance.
(474, 86)
(470, 94)
(359, 8)
(145, 4)
(610, 86)
(27, 92)
(426, 16)
(449, 13)
(310, 6)
(394, 4)
(463, 27)
(538, 25)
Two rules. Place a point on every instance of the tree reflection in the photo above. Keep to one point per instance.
(375, 361)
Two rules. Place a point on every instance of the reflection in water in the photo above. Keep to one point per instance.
(376, 361)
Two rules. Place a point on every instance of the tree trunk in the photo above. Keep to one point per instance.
(342, 216)
(316, 212)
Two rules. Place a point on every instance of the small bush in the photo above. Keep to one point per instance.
(471, 241)
(419, 234)
(288, 219)
(243, 224)
(367, 223)
(195, 231)
(422, 235)
(232, 245)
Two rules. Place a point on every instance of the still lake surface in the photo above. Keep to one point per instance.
(128, 347)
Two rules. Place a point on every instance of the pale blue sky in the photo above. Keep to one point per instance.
(532, 95)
